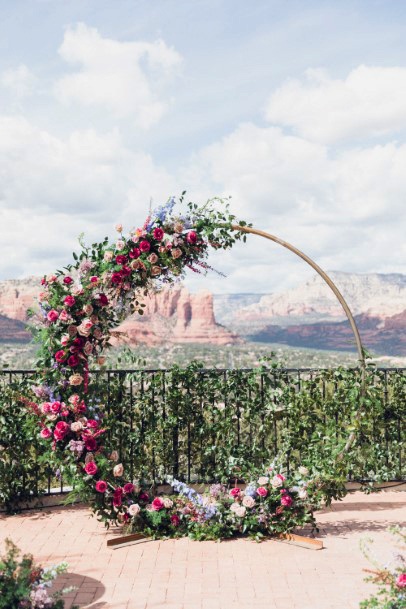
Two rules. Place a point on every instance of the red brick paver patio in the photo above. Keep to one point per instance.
(238, 574)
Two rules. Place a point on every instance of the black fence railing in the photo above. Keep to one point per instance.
(210, 424)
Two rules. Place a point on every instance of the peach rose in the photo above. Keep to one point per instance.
(248, 501)
(263, 480)
(118, 470)
(176, 253)
(76, 379)
(113, 456)
(155, 271)
(108, 256)
(76, 426)
(88, 309)
(152, 258)
(119, 228)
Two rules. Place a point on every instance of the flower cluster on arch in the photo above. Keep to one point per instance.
(82, 304)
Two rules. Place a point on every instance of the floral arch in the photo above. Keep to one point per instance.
(80, 306)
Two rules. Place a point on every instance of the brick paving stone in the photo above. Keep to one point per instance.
(239, 574)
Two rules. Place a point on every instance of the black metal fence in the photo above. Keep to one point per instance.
(200, 424)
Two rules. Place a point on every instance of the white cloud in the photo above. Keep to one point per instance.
(370, 101)
(19, 81)
(126, 78)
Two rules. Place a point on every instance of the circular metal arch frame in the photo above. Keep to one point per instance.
(341, 300)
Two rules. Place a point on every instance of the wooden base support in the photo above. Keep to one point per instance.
(126, 540)
(299, 540)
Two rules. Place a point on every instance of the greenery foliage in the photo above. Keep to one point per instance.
(25, 585)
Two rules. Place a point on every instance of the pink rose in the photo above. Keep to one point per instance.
(60, 356)
(46, 407)
(52, 315)
(60, 431)
(120, 245)
(52, 278)
(64, 316)
(157, 504)
(121, 259)
(261, 491)
(92, 423)
(67, 280)
(158, 234)
(175, 520)
(119, 227)
(88, 309)
(191, 237)
(76, 426)
(101, 486)
(286, 500)
(235, 492)
(91, 468)
(69, 301)
(43, 296)
(65, 340)
(128, 488)
(152, 258)
(88, 348)
(74, 399)
(55, 407)
(94, 279)
(118, 470)
(176, 253)
(45, 433)
(85, 327)
(401, 580)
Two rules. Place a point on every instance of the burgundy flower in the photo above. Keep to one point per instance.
(67, 280)
(116, 278)
(69, 301)
(121, 259)
(145, 246)
(94, 279)
(91, 468)
(73, 360)
(135, 253)
(158, 234)
(128, 488)
(90, 443)
(103, 300)
(125, 271)
(175, 520)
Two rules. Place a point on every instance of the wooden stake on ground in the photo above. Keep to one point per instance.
(126, 540)
(299, 540)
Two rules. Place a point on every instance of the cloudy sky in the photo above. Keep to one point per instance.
(297, 110)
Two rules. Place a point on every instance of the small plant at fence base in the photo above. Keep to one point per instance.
(271, 503)
(390, 579)
(25, 585)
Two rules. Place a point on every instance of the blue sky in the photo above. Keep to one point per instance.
(295, 109)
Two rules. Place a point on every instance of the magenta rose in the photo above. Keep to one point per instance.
(145, 246)
(191, 237)
(118, 497)
(286, 500)
(64, 316)
(45, 433)
(69, 300)
(55, 407)
(235, 492)
(61, 429)
(116, 278)
(157, 504)
(103, 300)
(60, 356)
(52, 315)
(94, 279)
(401, 580)
(261, 491)
(90, 443)
(92, 423)
(91, 468)
(175, 520)
(101, 486)
(128, 488)
(158, 234)
(135, 253)
(67, 280)
(121, 259)
(73, 361)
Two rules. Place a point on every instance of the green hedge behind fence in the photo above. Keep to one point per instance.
(215, 424)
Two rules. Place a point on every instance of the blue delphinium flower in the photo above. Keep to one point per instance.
(251, 490)
(161, 213)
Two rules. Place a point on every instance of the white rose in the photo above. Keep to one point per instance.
(303, 471)
(168, 503)
(262, 480)
(134, 509)
(240, 511)
(302, 494)
(120, 245)
(276, 482)
(248, 501)
(234, 507)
